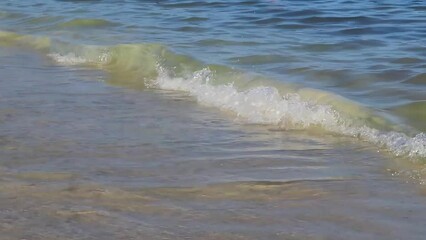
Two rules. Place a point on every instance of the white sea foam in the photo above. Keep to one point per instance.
(68, 59)
(90, 55)
(264, 105)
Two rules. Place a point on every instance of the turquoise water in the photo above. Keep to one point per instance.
(212, 119)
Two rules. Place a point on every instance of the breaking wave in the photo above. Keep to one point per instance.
(252, 98)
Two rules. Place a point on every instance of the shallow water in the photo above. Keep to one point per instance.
(84, 160)
(212, 120)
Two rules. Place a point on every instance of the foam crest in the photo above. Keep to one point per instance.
(67, 59)
(265, 105)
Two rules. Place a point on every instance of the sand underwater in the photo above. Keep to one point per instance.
(212, 120)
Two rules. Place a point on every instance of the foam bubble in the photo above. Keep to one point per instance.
(265, 105)
(68, 59)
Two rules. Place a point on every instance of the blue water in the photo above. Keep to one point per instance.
(241, 97)
(371, 52)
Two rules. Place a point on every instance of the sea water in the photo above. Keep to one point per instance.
(212, 119)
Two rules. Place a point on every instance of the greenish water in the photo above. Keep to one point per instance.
(212, 120)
